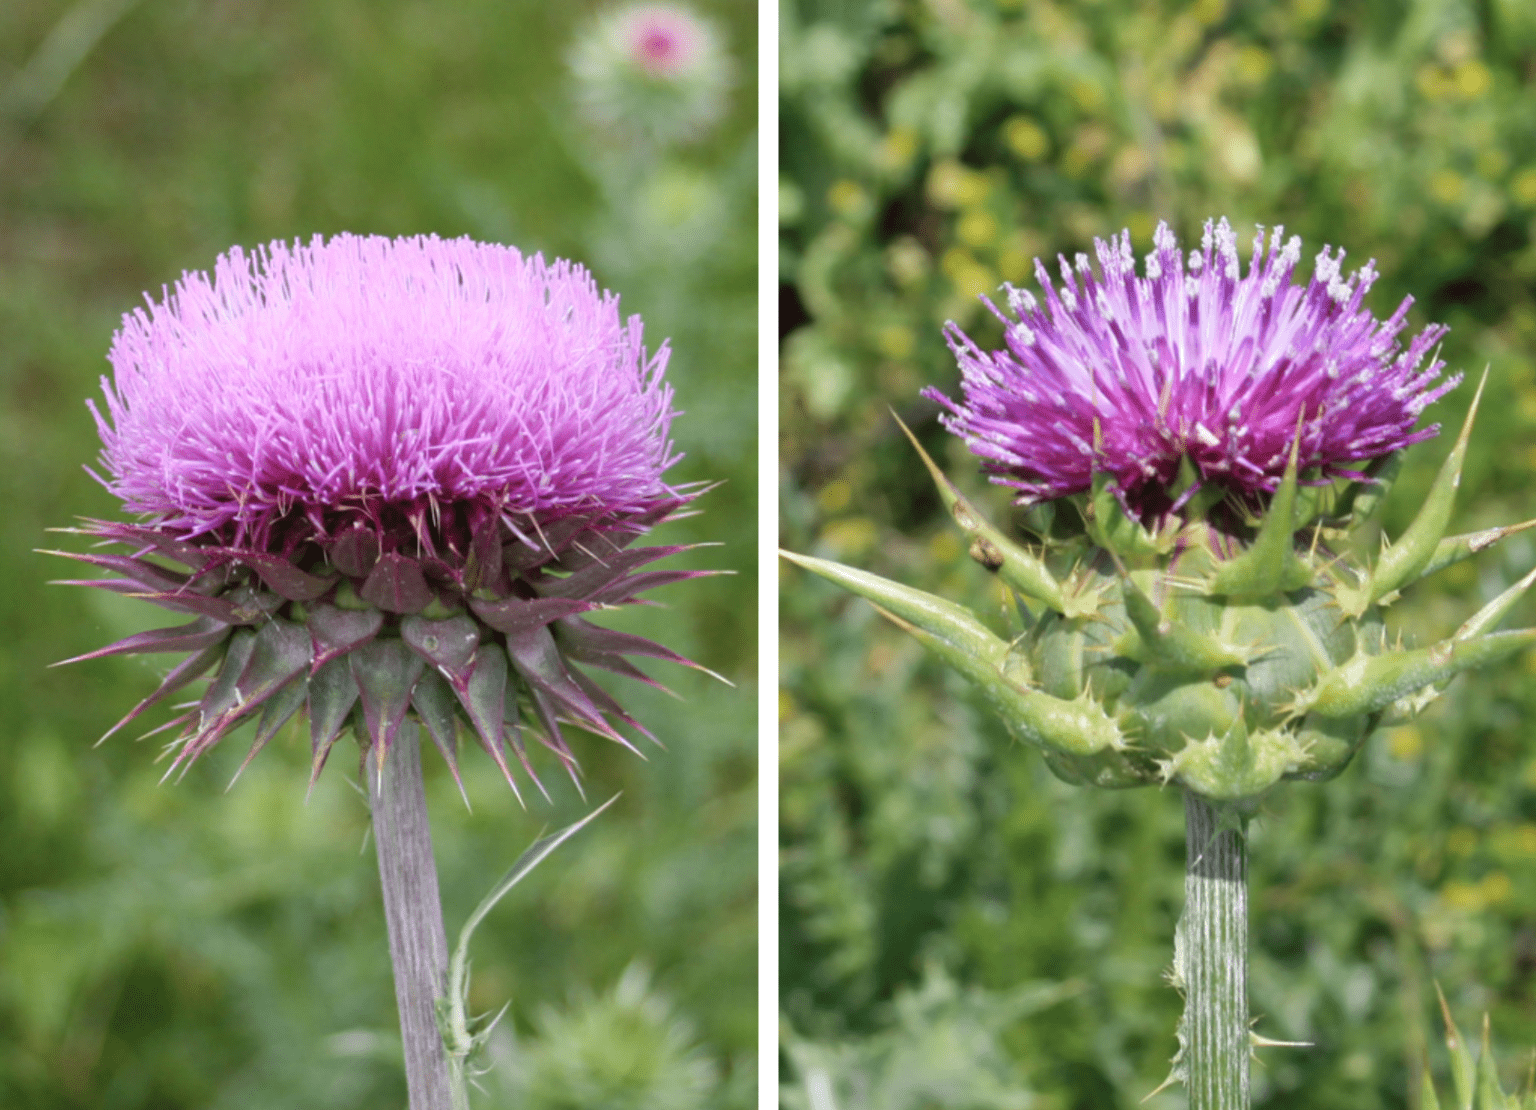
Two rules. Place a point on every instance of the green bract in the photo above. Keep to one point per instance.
(1224, 663)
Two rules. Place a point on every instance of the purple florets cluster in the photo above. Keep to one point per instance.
(358, 372)
(1128, 375)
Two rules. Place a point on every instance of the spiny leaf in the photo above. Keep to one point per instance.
(484, 697)
(279, 710)
(1462, 1070)
(995, 551)
(1237, 765)
(596, 576)
(185, 601)
(960, 638)
(596, 646)
(625, 589)
(538, 660)
(280, 651)
(1369, 683)
(1489, 1093)
(1496, 610)
(1078, 727)
(1429, 1099)
(1269, 565)
(141, 536)
(1453, 549)
(1406, 559)
(151, 577)
(457, 1037)
(224, 693)
(1172, 645)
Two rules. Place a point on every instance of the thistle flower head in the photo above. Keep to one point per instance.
(1126, 375)
(654, 71)
(664, 40)
(387, 477)
(1226, 642)
(323, 381)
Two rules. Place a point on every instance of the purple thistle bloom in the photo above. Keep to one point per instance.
(387, 477)
(1128, 375)
(370, 370)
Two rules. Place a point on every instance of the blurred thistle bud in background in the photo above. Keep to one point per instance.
(387, 478)
(652, 74)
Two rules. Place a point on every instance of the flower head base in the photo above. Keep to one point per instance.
(655, 71)
(386, 478)
(1128, 376)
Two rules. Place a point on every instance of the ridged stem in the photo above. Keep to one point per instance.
(418, 947)
(1213, 957)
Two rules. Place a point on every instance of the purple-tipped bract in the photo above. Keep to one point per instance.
(388, 478)
(1127, 375)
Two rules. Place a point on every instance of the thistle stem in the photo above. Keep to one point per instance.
(418, 947)
(1212, 957)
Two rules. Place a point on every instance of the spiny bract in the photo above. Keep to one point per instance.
(1195, 615)
(387, 478)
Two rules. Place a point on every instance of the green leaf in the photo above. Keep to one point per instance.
(1269, 565)
(1176, 646)
(1406, 559)
(1368, 683)
(1490, 1096)
(452, 1011)
(1021, 571)
(1453, 549)
(1462, 1069)
(955, 635)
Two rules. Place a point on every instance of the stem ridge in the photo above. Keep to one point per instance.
(1213, 957)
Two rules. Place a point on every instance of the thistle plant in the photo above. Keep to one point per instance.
(387, 479)
(1202, 453)
(653, 73)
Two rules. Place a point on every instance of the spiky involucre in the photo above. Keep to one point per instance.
(387, 478)
(1127, 375)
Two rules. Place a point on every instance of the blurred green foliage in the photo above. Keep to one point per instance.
(176, 946)
(930, 150)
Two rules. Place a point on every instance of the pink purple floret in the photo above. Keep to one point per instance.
(354, 374)
(1128, 374)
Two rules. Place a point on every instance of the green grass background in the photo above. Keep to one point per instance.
(167, 946)
(959, 929)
